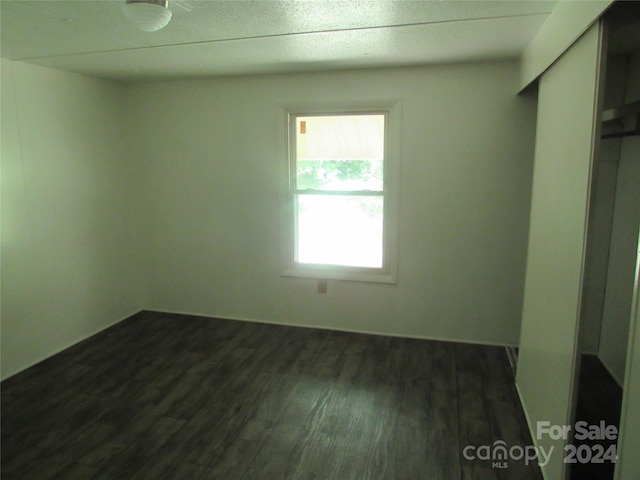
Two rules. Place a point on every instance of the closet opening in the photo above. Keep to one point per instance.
(612, 246)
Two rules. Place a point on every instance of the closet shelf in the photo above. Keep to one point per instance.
(618, 113)
(621, 121)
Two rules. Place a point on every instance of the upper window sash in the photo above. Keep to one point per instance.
(342, 142)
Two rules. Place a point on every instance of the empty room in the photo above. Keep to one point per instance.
(320, 239)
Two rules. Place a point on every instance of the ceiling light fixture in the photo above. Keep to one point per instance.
(148, 15)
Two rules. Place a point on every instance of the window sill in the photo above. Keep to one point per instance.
(330, 272)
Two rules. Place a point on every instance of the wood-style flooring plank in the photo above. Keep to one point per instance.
(70, 452)
(442, 434)
(473, 419)
(180, 445)
(188, 471)
(134, 457)
(77, 472)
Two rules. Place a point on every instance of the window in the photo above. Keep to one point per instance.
(339, 182)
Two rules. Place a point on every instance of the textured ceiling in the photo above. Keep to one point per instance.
(210, 38)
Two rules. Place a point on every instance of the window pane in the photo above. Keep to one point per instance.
(342, 152)
(340, 175)
(340, 230)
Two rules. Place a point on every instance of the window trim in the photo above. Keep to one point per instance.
(388, 272)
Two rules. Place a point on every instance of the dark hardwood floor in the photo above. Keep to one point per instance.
(599, 400)
(162, 396)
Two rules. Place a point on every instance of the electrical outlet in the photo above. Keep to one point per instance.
(322, 286)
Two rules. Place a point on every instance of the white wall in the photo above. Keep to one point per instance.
(624, 241)
(212, 182)
(67, 237)
(204, 174)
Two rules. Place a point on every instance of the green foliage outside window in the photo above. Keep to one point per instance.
(339, 175)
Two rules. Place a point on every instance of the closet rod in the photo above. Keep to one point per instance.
(629, 133)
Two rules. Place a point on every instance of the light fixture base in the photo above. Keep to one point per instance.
(148, 15)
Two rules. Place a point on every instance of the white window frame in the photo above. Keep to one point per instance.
(388, 272)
